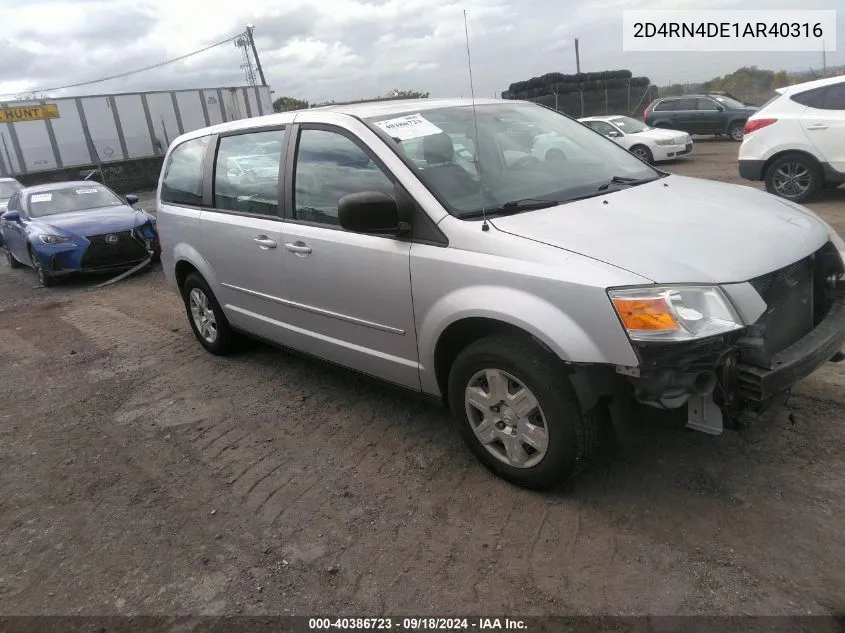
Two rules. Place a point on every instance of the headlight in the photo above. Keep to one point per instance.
(669, 141)
(54, 239)
(674, 313)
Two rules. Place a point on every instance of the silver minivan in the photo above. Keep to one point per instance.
(417, 242)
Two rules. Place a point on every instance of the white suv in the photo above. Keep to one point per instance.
(796, 141)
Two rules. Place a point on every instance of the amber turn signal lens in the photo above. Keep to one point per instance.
(645, 314)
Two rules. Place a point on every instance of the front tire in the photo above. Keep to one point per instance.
(206, 317)
(13, 263)
(518, 413)
(643, 153)
(794, 177)
(45, 280)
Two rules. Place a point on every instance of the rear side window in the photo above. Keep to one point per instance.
(811, 98)
(665, 106)
(246, 172)
(834, 97)
(686, 104)
(183, 173)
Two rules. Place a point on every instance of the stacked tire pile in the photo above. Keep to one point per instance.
(568, 88)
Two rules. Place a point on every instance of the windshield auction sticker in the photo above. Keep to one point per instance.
(81, 191)
(41, 197)
(408, 127)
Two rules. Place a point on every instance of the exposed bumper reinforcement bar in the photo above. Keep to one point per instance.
(799, 360)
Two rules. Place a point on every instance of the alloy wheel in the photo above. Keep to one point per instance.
(792, 179)
(203, 315)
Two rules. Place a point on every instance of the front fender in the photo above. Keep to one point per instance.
(539, 318)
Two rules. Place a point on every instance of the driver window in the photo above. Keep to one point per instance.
(601, 127)
(708, 104)
(328, 167)
(246, 174)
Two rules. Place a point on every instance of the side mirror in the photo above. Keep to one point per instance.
(370, 212)
(720, 107)
(132, 199)
(12, 216)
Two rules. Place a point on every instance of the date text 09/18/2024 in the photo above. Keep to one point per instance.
(416, 624)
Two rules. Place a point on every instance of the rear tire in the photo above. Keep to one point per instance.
(13, 263)
(737, 132)
(794, 177)
(206, 317)
(643, 153)
(518, 414)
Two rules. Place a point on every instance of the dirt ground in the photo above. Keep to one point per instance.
(141, 475)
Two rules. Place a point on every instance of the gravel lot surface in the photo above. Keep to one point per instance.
(141, 475)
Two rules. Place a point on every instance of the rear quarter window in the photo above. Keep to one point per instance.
(665, 106)
(811, 98)
(182, 182)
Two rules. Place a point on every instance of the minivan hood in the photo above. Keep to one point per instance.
(679, 230)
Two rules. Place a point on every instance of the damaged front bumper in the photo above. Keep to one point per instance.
(730, 380)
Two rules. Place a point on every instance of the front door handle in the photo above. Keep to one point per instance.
(264, 242)
(817, 126)
(300, 248)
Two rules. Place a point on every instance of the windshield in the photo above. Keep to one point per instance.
(77, 198)
(8, 189)
(629, 125)
(524, 152)
(728, 102)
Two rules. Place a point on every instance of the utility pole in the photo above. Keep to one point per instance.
(577, 58)
(824, 60)
(249, 29)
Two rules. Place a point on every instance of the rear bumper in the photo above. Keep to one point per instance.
(751, 169)
(796, 362)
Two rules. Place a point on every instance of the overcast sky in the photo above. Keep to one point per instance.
(347, 49)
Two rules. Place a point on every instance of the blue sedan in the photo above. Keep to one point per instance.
(66, 228)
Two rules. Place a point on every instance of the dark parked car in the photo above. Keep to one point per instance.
(700, 114)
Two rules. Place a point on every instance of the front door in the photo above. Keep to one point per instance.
(350, 293)
(242, 235)
(709, 117)
(685, 115)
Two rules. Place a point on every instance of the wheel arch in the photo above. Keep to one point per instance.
(187, 259)
(590, 382)
(444, 331)
(788, 152)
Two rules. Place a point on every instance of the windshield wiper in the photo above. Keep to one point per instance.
(514, 206)
(623, 180)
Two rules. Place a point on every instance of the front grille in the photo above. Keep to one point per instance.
(101, 254)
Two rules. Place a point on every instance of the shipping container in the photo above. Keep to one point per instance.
(68, 132)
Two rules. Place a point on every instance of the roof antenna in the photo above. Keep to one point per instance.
(484, 225)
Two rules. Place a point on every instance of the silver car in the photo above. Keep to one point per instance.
(537, 298)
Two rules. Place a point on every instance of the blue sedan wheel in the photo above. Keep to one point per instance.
(13, 263)
(43, 279)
